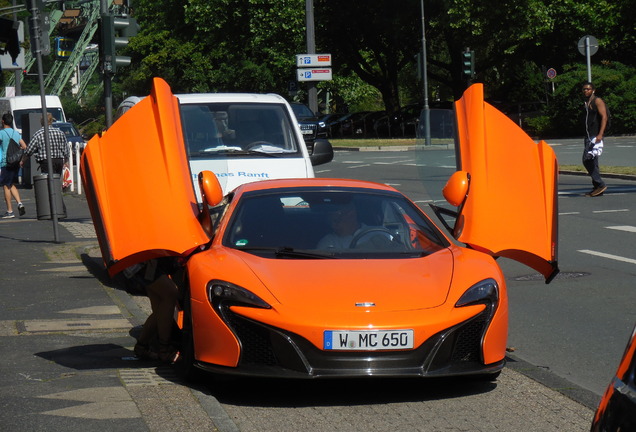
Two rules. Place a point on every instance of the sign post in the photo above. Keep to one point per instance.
(588, 46)
(551, 74)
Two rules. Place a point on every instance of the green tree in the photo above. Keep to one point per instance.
(217, 45)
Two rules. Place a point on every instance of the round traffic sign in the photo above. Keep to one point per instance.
(593, 43)
(551, 73)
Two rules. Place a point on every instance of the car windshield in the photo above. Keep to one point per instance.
(302, 111)
(18, 115)
(222, 130)
(68, 129)
(334, 223)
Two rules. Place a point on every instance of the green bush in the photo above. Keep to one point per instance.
(615, 83)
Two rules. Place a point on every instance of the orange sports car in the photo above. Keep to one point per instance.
(316, 278)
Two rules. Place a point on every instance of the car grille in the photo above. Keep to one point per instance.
(254, 339)
(468, 343)
(455, 350)
(309, 127)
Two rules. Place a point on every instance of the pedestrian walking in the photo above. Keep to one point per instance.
(57, 143)
(9, 173)
(596, 116)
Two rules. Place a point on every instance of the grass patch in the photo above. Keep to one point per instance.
(603, 168)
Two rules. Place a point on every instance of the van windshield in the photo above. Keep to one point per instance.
(225, 130)
(18, 116)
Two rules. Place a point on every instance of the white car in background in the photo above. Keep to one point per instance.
(243, 137)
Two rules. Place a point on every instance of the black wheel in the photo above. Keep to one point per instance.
(367, 233)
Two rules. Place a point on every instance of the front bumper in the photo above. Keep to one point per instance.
(272, 352)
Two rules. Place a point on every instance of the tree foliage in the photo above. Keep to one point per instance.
(250, 45)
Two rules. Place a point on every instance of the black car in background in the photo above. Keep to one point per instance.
(72, 136)
(311, 126)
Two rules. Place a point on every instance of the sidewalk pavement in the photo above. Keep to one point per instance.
(66, 338)
(66, 344)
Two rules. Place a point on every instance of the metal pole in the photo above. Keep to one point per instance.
(588, 58)
(427, 111)
(35, 23)
(312, 92)
(17, 73)
(108, 90)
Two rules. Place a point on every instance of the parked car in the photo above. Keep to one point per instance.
(363, 126)
(348, 123)
(268, 291)
(334, 125)
(311, 126)
(72, 136)
(617, 410)
(241, 137)
(328, 120)
(404, 122)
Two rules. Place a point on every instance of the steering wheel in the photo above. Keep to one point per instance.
(256, 144)
(368, 233)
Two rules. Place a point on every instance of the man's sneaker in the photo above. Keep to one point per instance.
(598, 191)
(21, 209)
(8, 215)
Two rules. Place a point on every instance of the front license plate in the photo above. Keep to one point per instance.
(368, 340)
(307, 131)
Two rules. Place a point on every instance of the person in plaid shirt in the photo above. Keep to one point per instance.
(57, 143)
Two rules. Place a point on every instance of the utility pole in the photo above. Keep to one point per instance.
(427, 111)
(108, 90)
(312, 91)
(17, 73)
(36, 11)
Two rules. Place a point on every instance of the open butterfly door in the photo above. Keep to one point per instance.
(138, 184)
(505, 187)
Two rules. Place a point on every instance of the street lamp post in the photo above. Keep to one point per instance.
(312, 91)
(427, 111)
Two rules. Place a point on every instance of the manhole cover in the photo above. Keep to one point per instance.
(562, 275)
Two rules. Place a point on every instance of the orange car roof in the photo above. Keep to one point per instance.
(138, 184)
(510, 206)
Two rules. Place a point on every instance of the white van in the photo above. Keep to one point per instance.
(243, 137)
(19, 106)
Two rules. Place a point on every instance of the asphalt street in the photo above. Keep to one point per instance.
(66, 337)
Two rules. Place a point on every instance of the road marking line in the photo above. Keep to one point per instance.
(610, 211)
(627, 228)
(609, 256)
(569, 213)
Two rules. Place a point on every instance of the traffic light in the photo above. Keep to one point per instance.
(115, 31)
(468, 63)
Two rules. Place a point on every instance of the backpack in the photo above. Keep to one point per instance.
(14, 154)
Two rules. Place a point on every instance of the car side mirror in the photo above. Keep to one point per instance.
(211, 190)
(456, 188)
(323, 152)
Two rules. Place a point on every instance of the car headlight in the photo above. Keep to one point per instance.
(322, 125)
(484, 292)
(225, 291)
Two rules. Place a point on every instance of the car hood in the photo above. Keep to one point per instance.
(138, 185)
(508, 206)
(342, 283)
